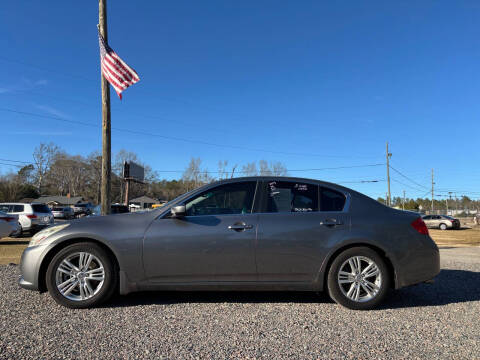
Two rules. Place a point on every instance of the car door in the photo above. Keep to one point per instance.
(427, 219)
(293, 231)
(214, 242)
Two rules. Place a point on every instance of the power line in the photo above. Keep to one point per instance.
(17, 161)
(407, 185)
(172, 138)
(406, 177)
(288, 170)
(19, 166)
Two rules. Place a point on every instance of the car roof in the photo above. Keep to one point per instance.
(276, 178)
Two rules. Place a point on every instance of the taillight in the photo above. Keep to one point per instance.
(7, 218)
(420, 226)
(33, 216)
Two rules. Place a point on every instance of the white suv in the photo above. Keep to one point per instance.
(32, 217)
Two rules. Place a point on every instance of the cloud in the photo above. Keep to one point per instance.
(52, 111)
(25, 84)
(40, 133)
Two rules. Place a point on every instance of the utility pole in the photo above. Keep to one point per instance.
(403, 203)
(433, 183)
(450, 194)
(389, 198)
(106, 126)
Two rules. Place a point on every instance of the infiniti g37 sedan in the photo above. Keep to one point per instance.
(255, 233)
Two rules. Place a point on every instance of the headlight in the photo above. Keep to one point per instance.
(45, 233)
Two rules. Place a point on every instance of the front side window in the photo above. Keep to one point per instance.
(286, 196)
(331, 200)
(236, 198)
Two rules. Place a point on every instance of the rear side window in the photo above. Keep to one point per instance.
(291, 197)
(18, 208)
(41, 208)
(331, 200)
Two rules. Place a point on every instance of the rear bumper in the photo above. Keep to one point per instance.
(423, 264)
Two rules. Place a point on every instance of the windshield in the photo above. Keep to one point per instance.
(41, 208)
(178, 198)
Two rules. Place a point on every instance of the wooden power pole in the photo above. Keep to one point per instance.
(389, 197)
(106, 126)
(433, 183)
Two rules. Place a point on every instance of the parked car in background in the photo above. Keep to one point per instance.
(253, 233)
(442, 222)
(83, 209)
(114, 209)
(62, 212)
(32, 217)
(9, 225)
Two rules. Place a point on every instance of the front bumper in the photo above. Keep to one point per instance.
(30, 267)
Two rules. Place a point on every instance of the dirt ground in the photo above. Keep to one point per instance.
(11, 248)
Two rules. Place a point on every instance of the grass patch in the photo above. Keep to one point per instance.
(463, 237)
(11, 250)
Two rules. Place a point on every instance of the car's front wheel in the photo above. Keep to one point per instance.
(358, 279)
(81, 275)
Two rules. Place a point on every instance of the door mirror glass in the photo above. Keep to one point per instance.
(178, 211)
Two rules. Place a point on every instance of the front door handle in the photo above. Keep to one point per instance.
(330, 222)
(240, 226)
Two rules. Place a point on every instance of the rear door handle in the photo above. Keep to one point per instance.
(240, 227)
(330, 222)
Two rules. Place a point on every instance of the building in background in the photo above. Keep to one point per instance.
(142, 202)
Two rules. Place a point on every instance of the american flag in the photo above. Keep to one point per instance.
(117, 73)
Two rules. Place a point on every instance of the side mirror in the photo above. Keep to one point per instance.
(178, 211)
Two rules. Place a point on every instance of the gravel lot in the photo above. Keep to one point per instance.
(424, 321)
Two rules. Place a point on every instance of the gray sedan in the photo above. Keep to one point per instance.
(255, 233)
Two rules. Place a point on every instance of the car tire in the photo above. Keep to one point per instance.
(90, 285)
(443, 226)
(344, 281)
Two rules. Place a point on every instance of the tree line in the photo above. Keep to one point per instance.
(462, 203)
(55, 172)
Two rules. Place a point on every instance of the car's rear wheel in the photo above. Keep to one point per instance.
(358, 279)
(81, 275)
(443, 226)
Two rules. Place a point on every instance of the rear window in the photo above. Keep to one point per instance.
(41, 208)
(18, 208)
(331, 200)
(292, 197)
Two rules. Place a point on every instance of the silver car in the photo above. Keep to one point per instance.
(9, 225)
(254, 233)
(62, 212)
(442, 222)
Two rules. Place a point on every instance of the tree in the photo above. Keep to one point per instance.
(250, 169)
(222, 169)
(43, 157)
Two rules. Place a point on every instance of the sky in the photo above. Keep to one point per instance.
(312, 84)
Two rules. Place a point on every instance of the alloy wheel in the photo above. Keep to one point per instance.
(80, 276)
(359, 278)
